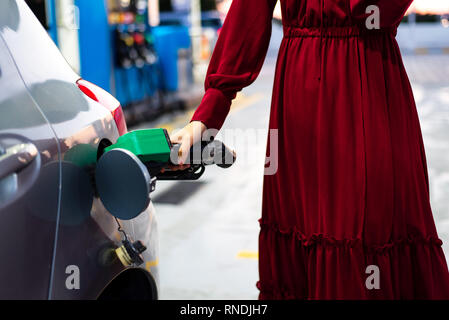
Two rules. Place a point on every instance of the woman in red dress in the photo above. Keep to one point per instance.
(350, 198)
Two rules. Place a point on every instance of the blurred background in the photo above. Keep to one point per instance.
(153, 55)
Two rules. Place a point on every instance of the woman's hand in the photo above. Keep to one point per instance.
(187, 137)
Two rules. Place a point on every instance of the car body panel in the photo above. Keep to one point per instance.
(26, 233)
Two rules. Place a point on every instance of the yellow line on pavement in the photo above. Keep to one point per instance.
(178, 122)
(421, 51)
(240, 102)
(247, 255)
(150, 264)
(243, 101)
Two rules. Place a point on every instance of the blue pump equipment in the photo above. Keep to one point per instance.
(115, 39)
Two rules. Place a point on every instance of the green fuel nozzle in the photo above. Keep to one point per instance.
(154, 148)
(149, 145)
(127, 171)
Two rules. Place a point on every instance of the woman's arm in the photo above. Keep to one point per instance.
(236, 62)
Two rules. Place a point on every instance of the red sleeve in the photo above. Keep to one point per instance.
(237, 59)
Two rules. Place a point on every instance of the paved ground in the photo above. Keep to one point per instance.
(208, 229)
(430, 80)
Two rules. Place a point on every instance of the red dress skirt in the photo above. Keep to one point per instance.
(350, 198)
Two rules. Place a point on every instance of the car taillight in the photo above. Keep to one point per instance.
(106, 100)
(119, 119)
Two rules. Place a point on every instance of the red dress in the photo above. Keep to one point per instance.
(351, 189)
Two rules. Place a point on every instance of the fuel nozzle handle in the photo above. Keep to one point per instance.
(206, 153)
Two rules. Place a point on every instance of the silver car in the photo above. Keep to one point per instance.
(57, 239)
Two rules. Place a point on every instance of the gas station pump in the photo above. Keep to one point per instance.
(135, 60)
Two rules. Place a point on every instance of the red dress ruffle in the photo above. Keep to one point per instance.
(322, 267)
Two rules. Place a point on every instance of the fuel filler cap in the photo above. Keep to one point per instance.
(123, 183)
